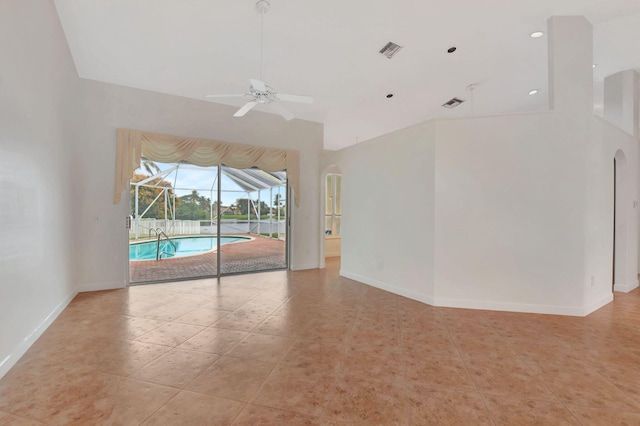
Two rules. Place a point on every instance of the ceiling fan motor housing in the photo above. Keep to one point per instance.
(263, 6)
(263, 97)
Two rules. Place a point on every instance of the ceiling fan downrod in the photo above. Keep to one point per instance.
(263, 6)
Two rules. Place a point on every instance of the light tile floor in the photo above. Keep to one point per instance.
(309, 347)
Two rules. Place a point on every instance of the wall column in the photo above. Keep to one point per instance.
(622, 101)
(570, 46)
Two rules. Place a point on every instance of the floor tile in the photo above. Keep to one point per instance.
(214, 340)
(262, 347)
(240, 321)
(232, 378)
(202, 316)
(254, 415)
(585, 388)
(604, 416)
(126, 402)
(311, 347)
(302, 390)
(510, 411)
(436, 373)
(513, 378)
(176, 368)
(284, 325)
(226, 303)
(171, 334)
(434, 343)
(123, 357)
(446, 407)
(11, 420)
(187, 299)
(82, 396)
(367, 402)
(365, 366)
(165, 312)
(133, 327)
(188, 408)
(319, 354)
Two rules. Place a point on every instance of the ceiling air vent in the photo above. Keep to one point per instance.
(453, 103)
(390, 49)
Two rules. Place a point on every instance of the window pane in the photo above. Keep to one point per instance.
(338, 194)
(329, 200)
(337, 226)
(327, 225)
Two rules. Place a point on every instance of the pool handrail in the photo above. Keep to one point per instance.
(160, 253)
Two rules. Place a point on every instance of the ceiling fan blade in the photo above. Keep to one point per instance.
(245, 109)
(225, 96)
(295, 98)
(260, 86)
(279, 109)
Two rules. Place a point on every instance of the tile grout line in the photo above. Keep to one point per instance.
(466, 366)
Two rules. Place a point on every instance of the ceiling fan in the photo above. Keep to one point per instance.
(259, 91)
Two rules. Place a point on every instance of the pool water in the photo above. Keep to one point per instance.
(185, 246)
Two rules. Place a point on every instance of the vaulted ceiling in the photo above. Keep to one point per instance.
(329, 50)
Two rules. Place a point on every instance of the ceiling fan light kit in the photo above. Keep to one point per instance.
(259, 91)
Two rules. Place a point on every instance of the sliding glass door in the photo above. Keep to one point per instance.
(196, 222)
(257, 210)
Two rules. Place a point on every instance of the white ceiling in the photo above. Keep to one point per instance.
(328, 49)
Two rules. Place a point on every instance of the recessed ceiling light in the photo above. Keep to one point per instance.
(533, 92)
(452, 49)
(390, 95)
(594, 65)
(537, 34)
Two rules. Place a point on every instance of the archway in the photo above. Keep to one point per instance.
(331, 213)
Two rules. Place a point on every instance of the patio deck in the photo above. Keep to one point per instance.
(260, 254)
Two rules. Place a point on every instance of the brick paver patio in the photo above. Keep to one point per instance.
(260, 254)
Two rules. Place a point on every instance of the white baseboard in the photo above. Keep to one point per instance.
(599, 304)
(100, 286)
(625, 288)
(10, 360)
(578, 311)
(303, 266)
(424, 298)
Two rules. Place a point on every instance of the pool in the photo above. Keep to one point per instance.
(185, 246)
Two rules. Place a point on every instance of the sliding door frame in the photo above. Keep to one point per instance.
(287, 254)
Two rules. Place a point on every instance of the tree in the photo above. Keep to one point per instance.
(243, 206)
(194, 207)
(146, 195)
(278, 202)
(150, 166)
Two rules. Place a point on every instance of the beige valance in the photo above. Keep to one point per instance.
(133, 144)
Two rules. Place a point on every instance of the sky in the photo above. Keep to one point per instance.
(203, 179)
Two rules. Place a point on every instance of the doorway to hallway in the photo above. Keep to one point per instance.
(333, 214)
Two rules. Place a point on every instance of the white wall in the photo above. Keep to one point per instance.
(57, 157)
(612, 140)
(103, 257)
(622, 100)
(37, 174)
(521, 205)
(388, 211)
(515, 212)
(509, 214)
